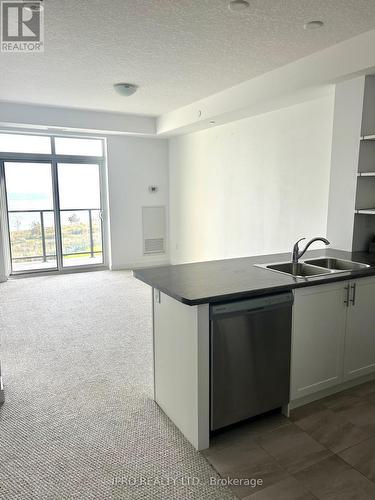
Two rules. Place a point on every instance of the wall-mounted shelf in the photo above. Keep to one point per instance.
(366, 211)
(368, 138)
(366, 174)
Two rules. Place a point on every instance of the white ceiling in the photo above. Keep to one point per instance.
(177, 51)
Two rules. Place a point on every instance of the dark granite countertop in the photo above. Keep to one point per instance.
(229, 279)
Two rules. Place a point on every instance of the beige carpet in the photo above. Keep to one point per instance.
(79, 421)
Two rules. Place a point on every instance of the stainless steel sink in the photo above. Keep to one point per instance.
(314, 267)
(336, 264)
(299, 270)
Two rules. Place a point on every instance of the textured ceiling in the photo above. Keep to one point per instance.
(177, 51)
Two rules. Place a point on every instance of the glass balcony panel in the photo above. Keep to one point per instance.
(97, 233)
(79, 249)
(75, 231)
(26, 238)
(49, 233)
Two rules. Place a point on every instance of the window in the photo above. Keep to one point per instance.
(17, 143)
(78, 147)
(54, 205)
(29, 186)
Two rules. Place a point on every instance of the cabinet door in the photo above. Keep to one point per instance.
(319, 319)
(360, 333)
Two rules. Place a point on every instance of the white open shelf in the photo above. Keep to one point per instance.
(368, 138)
(366, 174)
(368, 211)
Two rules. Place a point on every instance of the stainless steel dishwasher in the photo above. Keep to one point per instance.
(250, 357)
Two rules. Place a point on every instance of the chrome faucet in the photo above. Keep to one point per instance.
(297, 254)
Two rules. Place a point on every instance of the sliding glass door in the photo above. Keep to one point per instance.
(54, 205)
(80, 214)
(31, 217)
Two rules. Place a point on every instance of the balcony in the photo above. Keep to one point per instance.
(33, 238)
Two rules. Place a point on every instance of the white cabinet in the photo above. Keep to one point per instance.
(333, 337)
(360, 330)
(182, 366)
(319, 318)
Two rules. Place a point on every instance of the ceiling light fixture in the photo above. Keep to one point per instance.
(212, 122)
(125, 89)
(313, 25)
(34, 6)
(238, 5)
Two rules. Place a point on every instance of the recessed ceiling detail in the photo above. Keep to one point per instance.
(178, 51)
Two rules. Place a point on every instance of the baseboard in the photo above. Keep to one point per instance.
(54, 272)
(2, 394)
(331, 390)
(138, 265)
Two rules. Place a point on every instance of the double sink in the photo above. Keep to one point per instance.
(314, 267)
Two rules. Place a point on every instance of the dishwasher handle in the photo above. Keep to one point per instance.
(251, 306)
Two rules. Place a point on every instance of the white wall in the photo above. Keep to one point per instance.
(134, 164)
(253, 186)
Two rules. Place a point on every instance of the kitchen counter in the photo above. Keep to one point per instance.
(182, 295)
(229, 279)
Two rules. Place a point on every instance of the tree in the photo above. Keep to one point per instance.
(35, 229)
(73, 219)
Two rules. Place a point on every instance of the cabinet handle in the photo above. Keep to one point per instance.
(346, 301)
(353, 287)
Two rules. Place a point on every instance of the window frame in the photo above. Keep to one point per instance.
(54, 159)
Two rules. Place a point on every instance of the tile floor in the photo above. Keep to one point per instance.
(325, 450)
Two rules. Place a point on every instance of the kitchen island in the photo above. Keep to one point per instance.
(182, 297)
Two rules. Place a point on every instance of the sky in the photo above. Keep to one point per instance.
(29, 187)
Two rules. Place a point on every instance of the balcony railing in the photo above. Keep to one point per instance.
(39, 232)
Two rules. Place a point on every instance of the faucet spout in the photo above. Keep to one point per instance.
(297, 254)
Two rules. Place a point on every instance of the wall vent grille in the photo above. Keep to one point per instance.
(154, 229)
(154, 245)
